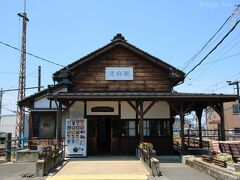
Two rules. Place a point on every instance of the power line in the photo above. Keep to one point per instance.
(219, 59)
(220, 82)
(195, 55)
(235, 12)
(30, 54)
(213, 48)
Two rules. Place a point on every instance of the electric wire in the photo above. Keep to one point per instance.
(30, 54)
(235, 12)
(213, 49)
(210, 64)
(223, 81)
(195, 55)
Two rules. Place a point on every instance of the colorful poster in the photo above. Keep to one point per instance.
(76, 137)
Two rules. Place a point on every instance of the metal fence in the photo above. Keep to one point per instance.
(191, 138)
(46, 148)
(230, 135)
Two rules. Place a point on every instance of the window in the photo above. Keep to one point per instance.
(102, 109)
(129, 128)
(45, 124)
(146, 128)
(156, 128)
(236, 109)
(237, 130)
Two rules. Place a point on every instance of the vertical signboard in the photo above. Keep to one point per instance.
(76, 137)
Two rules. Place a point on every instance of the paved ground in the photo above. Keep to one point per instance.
(178, 171)
(16, 171)
(104, 168)
(118, 167)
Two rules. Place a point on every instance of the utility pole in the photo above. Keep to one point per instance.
(19, 133)
(237, 85)
(39, 78)
(2, 91)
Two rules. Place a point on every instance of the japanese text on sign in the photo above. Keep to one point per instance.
(118, 73)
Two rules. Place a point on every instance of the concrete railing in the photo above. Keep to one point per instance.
(49, 159)
(147, 155)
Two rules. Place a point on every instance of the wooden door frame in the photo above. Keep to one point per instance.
(95, 117)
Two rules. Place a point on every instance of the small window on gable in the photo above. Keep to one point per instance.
(102, 109)
(45, 124)
(236, 109)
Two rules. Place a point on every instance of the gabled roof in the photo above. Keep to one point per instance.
(119, 40)
(28, 101)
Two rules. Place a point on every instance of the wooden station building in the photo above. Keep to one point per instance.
(125, 94)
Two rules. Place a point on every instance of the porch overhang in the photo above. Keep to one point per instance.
(63, 96)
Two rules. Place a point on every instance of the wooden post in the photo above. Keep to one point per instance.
(30, 130)
(141, 113)
(181, 112)
(219, 109)
(8, 147)
(199, 116)
(60, 123)
(182, 129)
(188, 135)
(141, 121)
(223, 137)
(219, 132)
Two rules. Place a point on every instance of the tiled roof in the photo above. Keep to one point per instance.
(142, 95)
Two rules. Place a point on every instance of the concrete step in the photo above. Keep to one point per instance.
(98, 177)
(169, 159)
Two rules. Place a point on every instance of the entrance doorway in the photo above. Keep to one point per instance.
(103, 135)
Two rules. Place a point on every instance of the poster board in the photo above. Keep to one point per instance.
(76, 137)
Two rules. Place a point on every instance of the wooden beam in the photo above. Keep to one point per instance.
(71, 103)
(133, 106)
(140, 112)
(188, 107)
(149, 107)
(173, 106)
(217, 108)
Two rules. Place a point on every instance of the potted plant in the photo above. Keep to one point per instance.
(233, 166)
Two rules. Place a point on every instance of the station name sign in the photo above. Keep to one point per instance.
(118, 73)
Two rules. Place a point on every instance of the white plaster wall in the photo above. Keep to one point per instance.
(159, 110)
(77, 110)
(91, 104)
(127, 112)
(43, 102)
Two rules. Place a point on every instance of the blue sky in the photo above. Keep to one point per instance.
(63, 31)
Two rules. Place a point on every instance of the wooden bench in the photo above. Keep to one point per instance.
(224, 147)
(235, 152)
